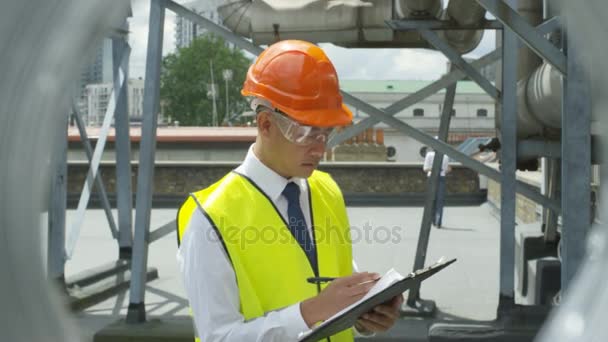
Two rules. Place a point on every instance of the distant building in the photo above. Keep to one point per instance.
(98, 97)
(186, 31)
(135, 98)
(472, 116)
(98, 70)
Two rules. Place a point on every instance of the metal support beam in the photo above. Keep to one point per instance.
(576, 161)
(410, 25)
(420, 95)
(433, 186)
(92, 174)
(548, 26)
(101, 189)
(538, 148)
(213, 27)
(162, 231)
(377, 115)
(56, 235)
(457, 60)
(145, 187)
(120, 55)
(553, 175)
(526, 32)
(508, 164)
(410, 100)
(521, 187)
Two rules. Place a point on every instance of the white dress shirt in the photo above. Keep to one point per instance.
(428, 163)
(210, 281)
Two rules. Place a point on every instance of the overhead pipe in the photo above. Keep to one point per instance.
(540, 91)
(355, 24)
(464, 13)
(539, 86)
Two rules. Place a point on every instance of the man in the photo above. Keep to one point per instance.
(440, 194)
(252, 239)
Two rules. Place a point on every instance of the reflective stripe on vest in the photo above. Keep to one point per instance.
(270, 266)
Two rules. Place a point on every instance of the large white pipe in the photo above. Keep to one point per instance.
(544, 96)
(348, 23)
(464, 12)
(540, 88)
(411, 9)
(539, 102)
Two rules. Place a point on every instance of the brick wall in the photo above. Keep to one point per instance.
(525, 209)
(175, 180)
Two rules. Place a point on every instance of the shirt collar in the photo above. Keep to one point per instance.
(270, 182)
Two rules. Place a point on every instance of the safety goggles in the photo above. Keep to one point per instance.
(297, 133)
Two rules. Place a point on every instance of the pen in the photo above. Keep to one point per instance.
(317, 280)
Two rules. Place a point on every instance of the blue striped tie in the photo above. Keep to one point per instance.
(297, 223)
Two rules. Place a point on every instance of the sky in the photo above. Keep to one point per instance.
(388, 64)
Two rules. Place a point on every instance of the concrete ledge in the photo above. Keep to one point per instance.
(521, 326)
(179, 329)
(544, 280)
(491, 332)
(411, 199)
(353, 199)
(384, 182)
(529, 245)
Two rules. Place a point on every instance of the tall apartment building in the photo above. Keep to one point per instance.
(98, 70)
(186, 31)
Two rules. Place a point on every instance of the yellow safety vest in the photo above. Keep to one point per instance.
(270, 266)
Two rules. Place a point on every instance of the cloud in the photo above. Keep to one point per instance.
(391, 64)
(420, 64)
(386, 63)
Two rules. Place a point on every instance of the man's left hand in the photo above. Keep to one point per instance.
(381, 318)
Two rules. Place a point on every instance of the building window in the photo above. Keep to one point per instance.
(453, 112)
(482, 112)
(418, 112)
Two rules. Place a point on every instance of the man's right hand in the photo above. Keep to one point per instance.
(339, 294)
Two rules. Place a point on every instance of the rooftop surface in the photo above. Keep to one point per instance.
(383, 238)
(178, 134)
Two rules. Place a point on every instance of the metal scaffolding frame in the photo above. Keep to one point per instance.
(575, 148)
(414, 300)
(575, 161)
(120, 56)
(60, 250)
(508, 157)
(145, 186)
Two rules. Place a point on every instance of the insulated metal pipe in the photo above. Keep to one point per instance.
(408, 9)
(350, 24)
(465, 13)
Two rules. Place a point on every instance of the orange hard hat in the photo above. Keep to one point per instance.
(297, 78)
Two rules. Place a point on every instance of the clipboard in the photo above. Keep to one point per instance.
(348, 319)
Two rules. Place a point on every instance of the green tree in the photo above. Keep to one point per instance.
(186, 78)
